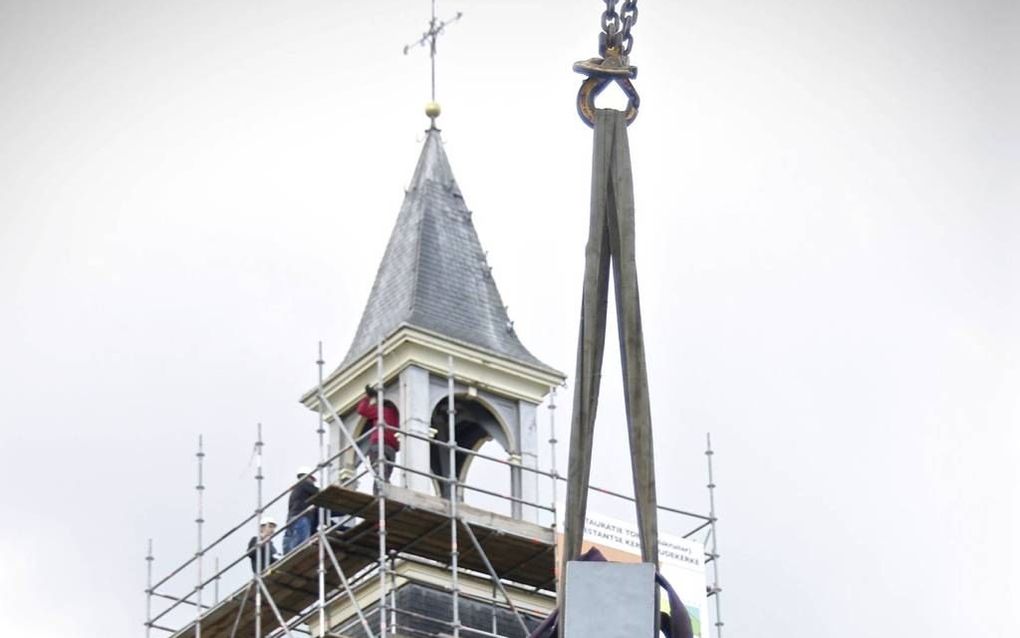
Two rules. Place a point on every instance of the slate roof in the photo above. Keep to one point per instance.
(434, 273)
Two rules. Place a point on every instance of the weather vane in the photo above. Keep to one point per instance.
(436, 28)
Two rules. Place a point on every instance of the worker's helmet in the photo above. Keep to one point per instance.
(269, 520)
(304, 470)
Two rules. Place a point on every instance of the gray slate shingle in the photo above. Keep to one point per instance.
(434, 274)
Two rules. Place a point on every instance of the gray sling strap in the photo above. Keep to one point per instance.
(610, 240)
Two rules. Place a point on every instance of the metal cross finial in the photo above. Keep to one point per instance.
(429, 37)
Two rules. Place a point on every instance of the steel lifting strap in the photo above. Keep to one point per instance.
(610, 242)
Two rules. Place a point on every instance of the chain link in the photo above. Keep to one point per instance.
(616, 27)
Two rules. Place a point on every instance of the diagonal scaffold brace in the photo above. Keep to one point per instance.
(610, 245)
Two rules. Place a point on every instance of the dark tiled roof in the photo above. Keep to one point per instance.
(434, 274)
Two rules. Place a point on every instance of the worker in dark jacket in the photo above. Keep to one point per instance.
(391, 418)
(264, 539)
(300, 528)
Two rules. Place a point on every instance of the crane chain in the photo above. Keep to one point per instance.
(616, 27)
(615, 44)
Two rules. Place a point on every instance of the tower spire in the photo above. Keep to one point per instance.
(429, 38)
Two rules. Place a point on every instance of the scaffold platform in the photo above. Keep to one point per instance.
(417, 526)
(517, 550)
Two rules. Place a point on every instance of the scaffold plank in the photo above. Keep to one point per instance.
(520, 551)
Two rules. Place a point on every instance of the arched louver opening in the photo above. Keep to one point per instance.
(475, 424)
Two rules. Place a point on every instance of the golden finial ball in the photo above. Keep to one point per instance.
(432, 110)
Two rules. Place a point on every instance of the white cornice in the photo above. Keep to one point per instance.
(413, 346)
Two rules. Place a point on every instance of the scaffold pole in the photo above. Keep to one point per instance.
(199, 489)
(451, 438)
(393, 592)
(495, 624)
(321, 511)
(258, 527)
(148, 590)
(552, 451)
(716, 589)
(380, 424)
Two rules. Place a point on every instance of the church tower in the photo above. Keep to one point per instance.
(435, 323)
(435, 308)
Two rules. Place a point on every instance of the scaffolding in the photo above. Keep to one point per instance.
(391, 536)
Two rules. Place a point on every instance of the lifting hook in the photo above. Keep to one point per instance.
(600, 72)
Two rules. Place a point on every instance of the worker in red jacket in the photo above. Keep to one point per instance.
(391, 417)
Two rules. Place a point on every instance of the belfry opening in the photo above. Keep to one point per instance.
(474, 425)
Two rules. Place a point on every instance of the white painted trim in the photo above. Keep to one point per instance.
(409, 345)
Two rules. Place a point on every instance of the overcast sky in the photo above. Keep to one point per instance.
(192, 194)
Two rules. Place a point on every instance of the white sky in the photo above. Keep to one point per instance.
(193, 193)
